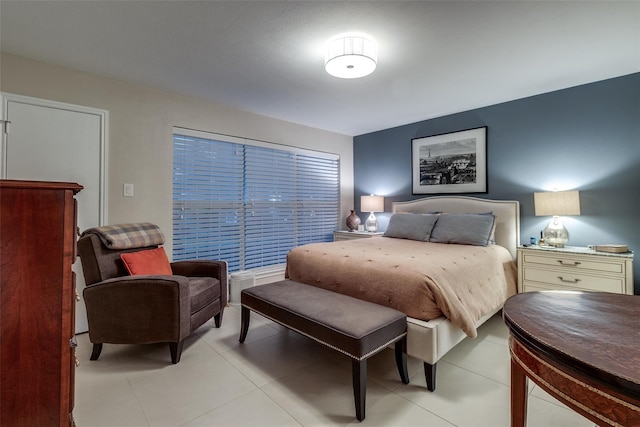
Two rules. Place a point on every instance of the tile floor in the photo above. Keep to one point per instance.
(279, 378)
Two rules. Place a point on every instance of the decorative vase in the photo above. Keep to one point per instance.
(353, 221)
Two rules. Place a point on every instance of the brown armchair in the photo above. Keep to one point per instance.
(125, 309)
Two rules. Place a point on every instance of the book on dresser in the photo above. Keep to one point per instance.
(614, 249)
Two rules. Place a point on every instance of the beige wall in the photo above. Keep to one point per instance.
(141, 120)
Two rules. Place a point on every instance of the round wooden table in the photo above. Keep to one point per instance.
(583, 348)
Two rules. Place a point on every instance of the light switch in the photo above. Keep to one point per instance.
(128, 190)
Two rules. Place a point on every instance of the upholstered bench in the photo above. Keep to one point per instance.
(351, 326)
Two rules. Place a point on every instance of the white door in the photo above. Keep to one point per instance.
(50, 141)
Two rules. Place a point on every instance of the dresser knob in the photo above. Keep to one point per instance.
(562, 279)
(569, 264)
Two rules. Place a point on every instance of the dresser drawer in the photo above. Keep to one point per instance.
(575, 263)
(573, 279)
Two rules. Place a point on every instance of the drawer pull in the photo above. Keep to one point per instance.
(562, 279)
(569, 264)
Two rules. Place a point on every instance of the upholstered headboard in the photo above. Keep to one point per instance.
(507, 213)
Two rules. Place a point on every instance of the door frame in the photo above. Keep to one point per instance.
(103, 117)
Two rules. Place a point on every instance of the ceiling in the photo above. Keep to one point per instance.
(266, 57)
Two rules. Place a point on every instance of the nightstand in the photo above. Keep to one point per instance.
(574, 268)
(351, 235)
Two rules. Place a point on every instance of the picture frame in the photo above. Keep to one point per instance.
(454, 162)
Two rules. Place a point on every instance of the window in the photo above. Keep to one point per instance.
(249, 202)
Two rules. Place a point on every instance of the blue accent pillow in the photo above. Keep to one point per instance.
(463, 229)
(411, 226)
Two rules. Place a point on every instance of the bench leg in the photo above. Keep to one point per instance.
(359, 373)
(244, 323)
(401, 359)
(430, 375)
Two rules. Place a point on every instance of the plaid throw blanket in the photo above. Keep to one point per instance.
(124, 236)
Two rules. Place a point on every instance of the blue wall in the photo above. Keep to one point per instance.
(585, 138)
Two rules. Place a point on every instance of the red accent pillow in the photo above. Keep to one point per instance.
(150, 261)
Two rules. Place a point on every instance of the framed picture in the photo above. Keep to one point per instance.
(450, 163)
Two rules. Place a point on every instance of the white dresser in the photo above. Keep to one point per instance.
(574, 268)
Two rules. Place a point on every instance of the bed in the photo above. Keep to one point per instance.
(457, 287)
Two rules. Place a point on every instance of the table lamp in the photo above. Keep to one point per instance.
(556, 203)
(371, 204)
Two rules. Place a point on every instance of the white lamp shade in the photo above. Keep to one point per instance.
(557, 203)
(351, 57)
(372, 203)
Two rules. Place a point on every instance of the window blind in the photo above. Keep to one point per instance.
(249, 202)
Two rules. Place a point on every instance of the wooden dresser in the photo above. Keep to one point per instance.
(37, 295)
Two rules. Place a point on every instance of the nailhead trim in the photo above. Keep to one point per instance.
(358, 358)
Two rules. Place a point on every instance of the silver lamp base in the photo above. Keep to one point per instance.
(372, 223)
(555, 234)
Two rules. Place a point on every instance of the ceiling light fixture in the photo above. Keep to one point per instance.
(350, 57)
